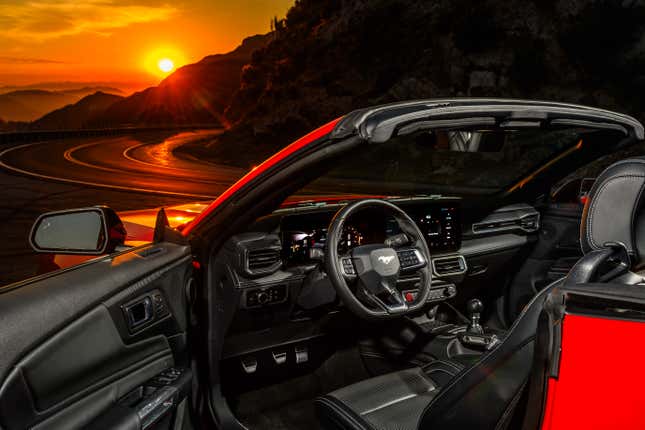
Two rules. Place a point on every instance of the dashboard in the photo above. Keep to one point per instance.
(304, 237)
(278, 261)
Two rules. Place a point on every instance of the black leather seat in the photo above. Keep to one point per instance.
(393, 398)
(485, 394)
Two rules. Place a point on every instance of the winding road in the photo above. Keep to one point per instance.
(137, 163)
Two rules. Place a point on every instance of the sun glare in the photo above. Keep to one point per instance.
(162, 60)
(166, 65)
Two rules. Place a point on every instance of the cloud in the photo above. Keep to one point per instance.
(40, 20)
(20, 60)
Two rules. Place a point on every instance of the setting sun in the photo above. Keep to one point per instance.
(166, 65)
(163, 59)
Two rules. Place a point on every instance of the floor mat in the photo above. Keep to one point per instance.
(299, 415)
(289, 405)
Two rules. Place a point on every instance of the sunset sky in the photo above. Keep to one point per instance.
(120, 41)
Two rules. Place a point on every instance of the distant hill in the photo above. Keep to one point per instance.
(70, 86)
(30, 104)
(196, 93)
(84, 91)
(77, 115)
(27, 105)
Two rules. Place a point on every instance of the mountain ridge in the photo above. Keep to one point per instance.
(194, 93)
(77, 115)
(29, 104)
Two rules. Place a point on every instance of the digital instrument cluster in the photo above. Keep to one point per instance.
(299, 245)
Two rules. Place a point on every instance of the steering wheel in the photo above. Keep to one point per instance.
(373, 270)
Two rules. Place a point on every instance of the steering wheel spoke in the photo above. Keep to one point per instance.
(391, 300)
(348, 268)
(411, 258)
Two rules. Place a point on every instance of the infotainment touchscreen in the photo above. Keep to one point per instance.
(441, 226)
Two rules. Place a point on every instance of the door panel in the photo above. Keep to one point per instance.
(89, 352)
(69, 352)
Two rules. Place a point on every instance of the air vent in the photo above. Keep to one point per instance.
(527, 220)
(530, 223)
(262, 260)
(445, 266)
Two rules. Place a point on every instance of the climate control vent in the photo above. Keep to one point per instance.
(262, 260)
(530, 223)
(255, 254)
(453, 265)
(522, 218)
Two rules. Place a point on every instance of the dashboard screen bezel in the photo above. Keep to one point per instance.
(312, 228)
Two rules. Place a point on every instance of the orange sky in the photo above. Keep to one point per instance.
(120, 41)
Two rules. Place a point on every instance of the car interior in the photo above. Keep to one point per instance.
(296, 336)
(380, 286)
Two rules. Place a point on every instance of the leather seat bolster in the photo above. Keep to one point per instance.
(397, 397)
(441, 372)
(334, 414)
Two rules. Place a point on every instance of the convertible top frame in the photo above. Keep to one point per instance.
(380, 123)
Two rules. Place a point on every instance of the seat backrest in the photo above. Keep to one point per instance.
(613, 212)
(485, 395)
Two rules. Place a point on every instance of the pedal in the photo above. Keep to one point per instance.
(302, 354)
(250, 365)
(279, 357)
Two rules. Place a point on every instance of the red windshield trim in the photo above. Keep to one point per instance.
(257, 171)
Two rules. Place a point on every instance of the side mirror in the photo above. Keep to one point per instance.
(92, 231)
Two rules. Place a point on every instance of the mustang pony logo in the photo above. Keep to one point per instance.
(386, 260)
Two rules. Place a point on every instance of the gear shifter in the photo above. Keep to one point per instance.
(474, 309)
(474, 335)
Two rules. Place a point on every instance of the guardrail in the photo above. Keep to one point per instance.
(36, 135)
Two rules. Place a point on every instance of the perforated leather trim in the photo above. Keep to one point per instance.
(347, 415)
(603, 196)
(598, 198)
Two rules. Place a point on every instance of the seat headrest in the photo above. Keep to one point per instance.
(613, 212)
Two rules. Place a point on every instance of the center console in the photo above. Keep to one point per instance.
(426, 340)
(475, 336)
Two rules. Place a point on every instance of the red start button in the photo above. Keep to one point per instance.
(409, 297)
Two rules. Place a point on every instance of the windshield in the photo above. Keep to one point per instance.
(462, 162)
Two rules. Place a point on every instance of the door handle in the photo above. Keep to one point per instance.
(139, 313)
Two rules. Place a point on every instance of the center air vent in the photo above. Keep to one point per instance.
(260, 261)
(519, 218)
(454, 265)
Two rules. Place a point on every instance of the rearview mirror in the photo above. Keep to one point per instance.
(94, 231)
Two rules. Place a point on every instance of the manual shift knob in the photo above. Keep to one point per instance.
(474, 308)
